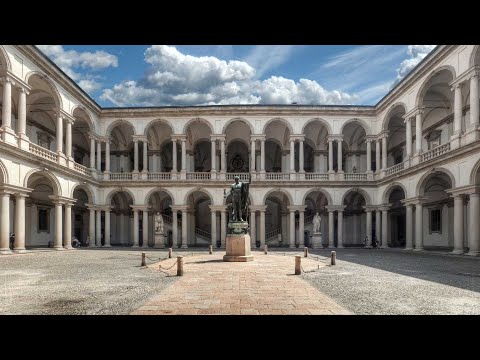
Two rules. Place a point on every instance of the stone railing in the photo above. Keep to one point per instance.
(203, 233)
(439, 150)
(394, 169)
(315, 176)
(198, 176)
(157, 176)
(120, 176)
(277, 176)
(273, 234)
(80, 168)
(242, 176)
(43, 153)
(355, 177)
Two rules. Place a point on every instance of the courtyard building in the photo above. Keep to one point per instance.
(404, 173)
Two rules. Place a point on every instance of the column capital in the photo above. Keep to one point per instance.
(334, 137)
(296, 207)
(382, 135)
(180, 207)
(66, 116)
(464, 190)
(260, 137)
(370, 208)
(106, 207)
(415, 200)
(137, 207)
(22, 89)
(331, 208)
(217, 207)
(297, 137)
(384, 207)
(219, 137)
(93, 136)
(104, 139)
(8, 79)
(370, 138)
(56, 199)
(258, 207)
(178, 137)
(137, 138)
(14, 190)
(414, 112)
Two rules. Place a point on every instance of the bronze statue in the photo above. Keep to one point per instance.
(239, 205)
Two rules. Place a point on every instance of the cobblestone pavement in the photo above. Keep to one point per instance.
(388, 281)
(77, 282)
(265, 286)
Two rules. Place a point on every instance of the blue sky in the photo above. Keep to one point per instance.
(160, 75)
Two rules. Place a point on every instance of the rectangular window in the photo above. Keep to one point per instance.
(435, 221)
(43, 220)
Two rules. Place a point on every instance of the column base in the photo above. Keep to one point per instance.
(20, 251)
(457, 252)
(68, 247)
(61, 158)
(70, 162)
(213, 175)
(183, 175)
(184, 247)
(455, 141)
(107, 246)
(223, 175)
(262, 175)
(59, 248)
(135, 247)
(416, 159)
(144, 175)
(9, 136)
(5, 252)
(418, 249)
(472, 134)
(23, 142)
(106, 175)
(340, 246)
(408, 249)
(473, 253)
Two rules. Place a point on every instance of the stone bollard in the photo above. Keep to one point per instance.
(265, 249)
(143, 259)
(334, 255)
(180, 265)
(210, 250)
(298, 264)
(305, 252)
(170, 253)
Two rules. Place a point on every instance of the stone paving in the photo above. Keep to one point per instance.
(266, 286)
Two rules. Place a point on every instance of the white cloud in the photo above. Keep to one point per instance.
(416, 53)
(174, 78)
(267, 57)
(70, 59)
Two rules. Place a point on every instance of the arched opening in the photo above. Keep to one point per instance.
(316, 201)
(121, 220)
(122, 149)
(354, 219)
(202, 154)
(316, 147)
(354, 149)
(396, 226)
(277, 147)
(237, 137)
(80, 216)
(396, 140)
(437, 100)
(438, 211)
(198, 147)
(80, 137)
(308, 156)
(160, 202)
(277, 223)
(160, 147)
(199, 225)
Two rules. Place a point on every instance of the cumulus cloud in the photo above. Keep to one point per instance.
(416, 53)
(88, 61)
(174, 78)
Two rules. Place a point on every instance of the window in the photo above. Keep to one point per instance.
(434, 139)
(435, 221)
(43, 220)
(44, 140)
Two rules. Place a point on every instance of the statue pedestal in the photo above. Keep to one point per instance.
(159, 241)
(317, 241)
(238, 248)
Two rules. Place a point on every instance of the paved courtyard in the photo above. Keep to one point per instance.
(373, 281)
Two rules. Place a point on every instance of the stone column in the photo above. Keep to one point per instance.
(174, 155)
(262, 155)
(92, 153)
(184, 157)
(369, 156)
(214, 227)
(301, 165)
(5, 221)
(67, 236)
(262, 228)
(99, 156)
(474, 225)
(408, 128)
(19, 223)
(330, 156)
(331, 229)
(377, 155)
(384, 228)
(174, 229)
(7, 105)
(292, 228)
(22, 114)
(145, 228)
(474, 101)
(253, 230)
(384, 152)
(409, 228)
(214, 157)
(99, 227)
(418, 133)
(107, 156)
(68, 140)
(301, 228)
(135, 156)
(223, 158)
(107, 227)
(457, 120)
(378, 224)
(340, 229)
(223, 227)
(135, 228)
(59, 134)
(145, 156)
(419, 226)
(458, 224)
(292, 155)
(91, 227)
(252, 155)
(340, 156)
(184, 229)
(57, 242)
(369, 227)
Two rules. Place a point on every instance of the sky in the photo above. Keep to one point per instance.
(171, 75)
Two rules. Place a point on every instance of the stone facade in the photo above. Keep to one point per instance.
(363, 168)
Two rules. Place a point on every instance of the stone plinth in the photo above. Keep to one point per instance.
(238, 248)
(159, 241)
(317, 241)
